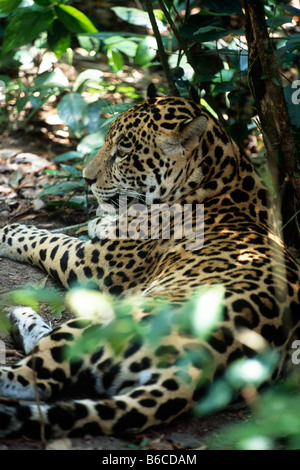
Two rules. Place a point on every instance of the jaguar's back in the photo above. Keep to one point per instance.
(204, 220)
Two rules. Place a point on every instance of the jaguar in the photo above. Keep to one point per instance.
(165, 152)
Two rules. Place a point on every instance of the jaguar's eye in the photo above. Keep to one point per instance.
(120, 154)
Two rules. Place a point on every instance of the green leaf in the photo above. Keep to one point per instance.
(229, 7)
(280, 20)
(137, 17)
(72, 170)
(294, 11)
(224, 75)
(115, 60)
(219, 396)
(116, 108)
(238, 131)
(146, 51)
(24, 27)
(293, 42)
(74, 20)
(95, 120)
(188, 32)
(6, 79)
(33, 297)
(73, 111)
(89, 42)
(109, 120)
(235, 96)
(86, 77)
(43, 3)
(21, 103)
(7, 6)
(276, 82)
(223, 87)
(203, 78)
(283, 53)
(254, 371)
(206, 29)
(183, 63)
(58, 38)
(23, 56)
(72, 155)
(62, 188)
(92, 142)
(51, 80)
(123, 45)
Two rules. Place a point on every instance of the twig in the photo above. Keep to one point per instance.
(290, 220)
(183, 45)
(180, 41)
(5, 291)
(69, 228)
(14, 352)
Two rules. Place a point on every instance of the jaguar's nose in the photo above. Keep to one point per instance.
(90, 181)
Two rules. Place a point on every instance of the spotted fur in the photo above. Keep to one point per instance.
(172, 151)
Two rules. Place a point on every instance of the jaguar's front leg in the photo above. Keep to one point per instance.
(64, 258)
(28, 327)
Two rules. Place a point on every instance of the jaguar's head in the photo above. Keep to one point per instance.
(148, 152)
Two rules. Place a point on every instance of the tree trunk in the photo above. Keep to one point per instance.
(266, 86)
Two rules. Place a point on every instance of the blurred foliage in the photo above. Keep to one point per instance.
(273, 425)
(272, 419)
(212, 34)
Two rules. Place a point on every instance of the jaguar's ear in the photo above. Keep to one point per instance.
(187, 139)
(190, 135)
(152, 91)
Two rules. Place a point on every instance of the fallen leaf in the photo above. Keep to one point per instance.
(60, 444)
(37, 163)
(15, 178)
(9, 153)
(38, 204)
